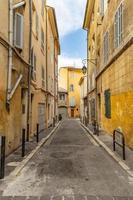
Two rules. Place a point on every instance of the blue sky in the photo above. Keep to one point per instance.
(70, 16)
(74, 44)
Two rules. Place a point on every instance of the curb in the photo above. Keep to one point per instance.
(19, 168)
(109, 151)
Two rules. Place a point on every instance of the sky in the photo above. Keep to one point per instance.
(70, 16)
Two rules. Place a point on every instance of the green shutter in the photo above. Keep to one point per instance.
(107, 95)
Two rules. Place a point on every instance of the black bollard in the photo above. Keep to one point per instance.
(37, 133)
(2, 157)
(53, 122)
(23, 142)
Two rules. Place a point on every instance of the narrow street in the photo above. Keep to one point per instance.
(70, 166)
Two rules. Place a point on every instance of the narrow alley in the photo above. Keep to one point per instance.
(70, 166)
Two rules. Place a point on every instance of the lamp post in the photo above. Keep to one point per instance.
(85, 70)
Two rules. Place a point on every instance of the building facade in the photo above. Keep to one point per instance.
(69, 80)
(29, 43)
(63, 103)
(83, 99)
(110, 44)
(14, 64)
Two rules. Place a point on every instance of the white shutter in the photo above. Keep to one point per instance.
(102, 8)
(18, 39)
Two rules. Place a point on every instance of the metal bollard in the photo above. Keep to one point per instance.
(23, 142)
(37, 133)
(2, 156)
(53, 122)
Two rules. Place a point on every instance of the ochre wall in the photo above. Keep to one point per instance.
(119, 79)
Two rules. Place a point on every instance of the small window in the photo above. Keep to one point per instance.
(62, 97)
(106, 47)
(118, 26)
(71, 88)
(18, 36)
(107, 96)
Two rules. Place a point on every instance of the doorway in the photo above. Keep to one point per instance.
(72, 112)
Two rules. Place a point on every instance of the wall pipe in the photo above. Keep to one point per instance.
(29, 70)
(9, 78)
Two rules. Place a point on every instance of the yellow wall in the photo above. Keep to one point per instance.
(119, 79)
(116, 73)
(68, 76)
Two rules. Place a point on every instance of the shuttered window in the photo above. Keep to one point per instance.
(103, 7)
(42, 39)
(107, 96)
(72, 102)
(18, 36)
(33, 64)
(43, 3)
(106, 47)
(37, 25)
(43, 77)
(93, 109)
(118, 26)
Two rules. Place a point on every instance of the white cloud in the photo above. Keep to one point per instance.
(65, 61)
(70, 14)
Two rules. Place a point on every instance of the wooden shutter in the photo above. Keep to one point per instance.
(43, 3)
(42, 39)
(37, 25)
(107, 96)
(102, 8)
(18, 39)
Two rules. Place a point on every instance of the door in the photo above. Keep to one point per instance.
(41, 116)
(72, 113)
(99, 108)
(63, 112)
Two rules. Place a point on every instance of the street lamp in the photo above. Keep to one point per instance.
(84, 69)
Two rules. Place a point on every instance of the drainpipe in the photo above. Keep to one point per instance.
(46, 68)
(29, 70)
(54, 82)
(10, 59)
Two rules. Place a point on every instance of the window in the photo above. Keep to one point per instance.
(103, 7)
(18, 36)
(72, 102)
(42, 39)
(43, 77)
(37, 25)
(107, 96)
(106, 47)
(71, 88)
(33, 64)
(62, 97)
(43, 8)
(118, 26)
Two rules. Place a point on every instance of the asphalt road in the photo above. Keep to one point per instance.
(70, 166)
